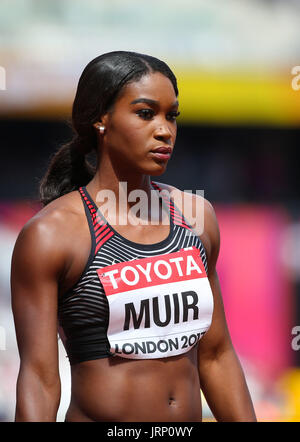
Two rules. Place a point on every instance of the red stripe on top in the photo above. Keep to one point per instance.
(177, 216)
(102, 233)
(99, 228)
(181, 225)
(97, 221)
(109, 235)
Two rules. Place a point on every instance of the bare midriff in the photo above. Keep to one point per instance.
(152, 390)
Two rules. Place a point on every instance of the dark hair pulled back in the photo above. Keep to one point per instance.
(98, 88)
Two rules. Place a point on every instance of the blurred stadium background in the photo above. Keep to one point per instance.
(238, 137)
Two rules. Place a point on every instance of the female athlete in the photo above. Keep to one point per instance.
(136, 303)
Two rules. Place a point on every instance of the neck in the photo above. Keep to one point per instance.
(119, 193)
(119, 183)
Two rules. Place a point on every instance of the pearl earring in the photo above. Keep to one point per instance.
(101, 128)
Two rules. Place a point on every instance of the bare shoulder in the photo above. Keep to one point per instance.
(54, 218)
(49, 231)
(200, 214)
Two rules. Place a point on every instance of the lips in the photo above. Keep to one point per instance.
(162, 153)
(162, 149)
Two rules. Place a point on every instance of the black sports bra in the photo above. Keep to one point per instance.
(137, 301)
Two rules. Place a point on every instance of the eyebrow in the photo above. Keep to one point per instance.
(151, 102)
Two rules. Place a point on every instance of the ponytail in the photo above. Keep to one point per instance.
(68, 170)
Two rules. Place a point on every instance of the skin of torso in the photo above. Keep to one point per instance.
(120, 389)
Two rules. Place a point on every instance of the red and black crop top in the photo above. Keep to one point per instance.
(137, 301)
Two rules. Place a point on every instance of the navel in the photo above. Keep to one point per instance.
(171, 400)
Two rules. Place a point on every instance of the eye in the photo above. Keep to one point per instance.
(173, 115)
(146, 114)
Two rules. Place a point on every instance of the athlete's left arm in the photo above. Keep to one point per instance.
(221, 376)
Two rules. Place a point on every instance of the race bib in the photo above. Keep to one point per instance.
(158, 306)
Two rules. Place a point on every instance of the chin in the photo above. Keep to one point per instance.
(158, 172)
(156, 169)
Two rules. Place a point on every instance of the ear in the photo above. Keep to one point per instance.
(101, 122)
(97, 125)
(104, 119)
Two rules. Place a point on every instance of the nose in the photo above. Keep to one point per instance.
(163, 132)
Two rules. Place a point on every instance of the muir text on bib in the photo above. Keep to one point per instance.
(158, 306)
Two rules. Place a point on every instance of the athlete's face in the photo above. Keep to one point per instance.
(143, 120)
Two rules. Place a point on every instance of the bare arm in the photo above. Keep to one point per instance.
(221, 376)
(36, 267)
